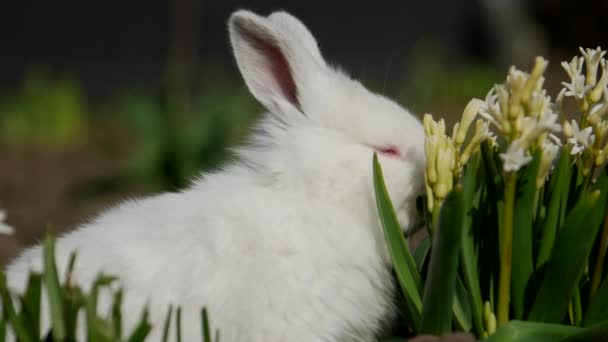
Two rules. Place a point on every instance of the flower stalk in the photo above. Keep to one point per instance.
(599, 261)
(506, 250)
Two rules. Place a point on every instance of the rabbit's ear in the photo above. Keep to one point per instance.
(278, 58)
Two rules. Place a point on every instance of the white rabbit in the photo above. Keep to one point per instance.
(284, 243)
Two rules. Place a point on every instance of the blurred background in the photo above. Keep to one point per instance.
(105, 101)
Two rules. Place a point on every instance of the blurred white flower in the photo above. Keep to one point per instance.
(514, 159)
(577, 87)
(574, 68)
(592, 58)
(5, 228)
(555, 139)
(580, 139)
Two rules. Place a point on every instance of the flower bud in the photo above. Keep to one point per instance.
(489, 318)
(567, 129)
(468, 115)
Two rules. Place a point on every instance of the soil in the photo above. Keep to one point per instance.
(41, 188)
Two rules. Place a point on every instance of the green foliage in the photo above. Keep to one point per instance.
(47, 112)
(405, 265)
(550, 280)
(177, 138)
(66, 301)
(440, 287)
(432, 80)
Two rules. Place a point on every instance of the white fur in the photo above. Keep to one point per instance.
(282, 245)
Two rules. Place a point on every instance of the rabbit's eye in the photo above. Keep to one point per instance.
(390, 151)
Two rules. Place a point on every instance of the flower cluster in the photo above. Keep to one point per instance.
(522, 112)
(446, 154)
(4, 227)
(587, 138)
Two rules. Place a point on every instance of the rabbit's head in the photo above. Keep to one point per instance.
(322, 127)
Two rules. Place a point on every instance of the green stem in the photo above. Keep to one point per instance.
(577, 309)
(506, 250)
(599, 262)
(435, 216)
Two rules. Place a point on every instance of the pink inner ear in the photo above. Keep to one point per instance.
(278, 65)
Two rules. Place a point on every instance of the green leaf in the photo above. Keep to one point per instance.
(19, 327)
(461, 307)
(142, 330)
(597, 333)
(98, 329)
(568, 260)
(117, 314)
(468, 252)
(403, 261)
(30, 304)
(440, 285)
(3, 323)
(559, 186)
(532, 332)
(55, 297)
(167, 325)
(422, 251)
(74, 301)
(205, 326)
(522, 261)
(178, 325)
(598, 307)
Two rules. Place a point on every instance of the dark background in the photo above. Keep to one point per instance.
(105, 100)
(114, 44)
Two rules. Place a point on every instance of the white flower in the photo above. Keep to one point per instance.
(517, 79)
(555, 139)
(549, 151)
(548, 123)
(577, 87)
(490, 109)
(592, 58)
(533, 128)
(580, 139)
(5, 228)
(574, 68)
(514, 159)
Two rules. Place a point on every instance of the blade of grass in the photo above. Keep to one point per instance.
(461, 307)
(597, 263)
(178, 325)
(30, 304)
(576, 306)
(468, 252)
(20, 329)
(403, 261)
(167, 325)
(142, 330)
(532, 332)
(596, 333)
(205, 326)
(558, 187)
(53, 288)
(567, 261)
(3, 324)
(598, 307)
(74, 301)
(421, 252)
(443, 269)
(97, 328)
(117, 313)
(522, 235)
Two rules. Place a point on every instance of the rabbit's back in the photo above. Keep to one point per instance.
(259, 259)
